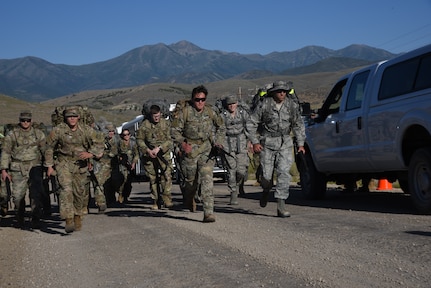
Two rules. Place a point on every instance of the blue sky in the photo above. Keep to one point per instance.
(87, 31)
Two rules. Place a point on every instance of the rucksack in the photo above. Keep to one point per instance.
(162, 103)
(86, 117)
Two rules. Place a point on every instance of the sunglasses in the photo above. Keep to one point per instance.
(111, 131)
(25, 120)
(199, 99)
(125, 134)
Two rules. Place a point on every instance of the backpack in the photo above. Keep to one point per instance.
(162, 103)
(86, 117)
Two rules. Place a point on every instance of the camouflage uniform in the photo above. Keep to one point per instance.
(152, 135)
(236, 145)
(68, 144)
(276, 124)
(129, 156)
(21, 158)
(200, 130)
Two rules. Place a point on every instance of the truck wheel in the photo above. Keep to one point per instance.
(313, 182)
(420, 180)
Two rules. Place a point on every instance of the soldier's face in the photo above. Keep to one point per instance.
(72, 120)
(232, 107)
(280, 95)
(25, 123)
(199, 101)
(156, 117)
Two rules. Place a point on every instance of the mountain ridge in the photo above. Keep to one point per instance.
(34, 79)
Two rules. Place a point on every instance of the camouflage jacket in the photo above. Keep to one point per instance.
(23, 146)
(276, 123)
(130, 149)
(236, 134)
(67, 144)
(204, 128)
(151, 134)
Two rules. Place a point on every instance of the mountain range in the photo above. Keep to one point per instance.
(34, 79)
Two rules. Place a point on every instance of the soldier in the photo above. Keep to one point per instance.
(278, 116)
(196, 129)
(155, 144)
(74, 144)
(235, 119)
(21, 164)
(102, 169)
(128, 157)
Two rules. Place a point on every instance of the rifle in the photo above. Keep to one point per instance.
(8, 190)
(218, 151)
(124, 160)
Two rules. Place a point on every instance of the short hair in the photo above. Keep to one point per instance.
(154, 109)
(200, 89)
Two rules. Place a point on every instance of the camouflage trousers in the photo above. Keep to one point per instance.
(102, 171)
(73, 182)
(31, 181)
(126, 186)
(152, 168)
(198, 174)
(237, 173)
(280, 162)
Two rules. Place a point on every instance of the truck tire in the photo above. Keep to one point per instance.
(313, 182)
(420, 180)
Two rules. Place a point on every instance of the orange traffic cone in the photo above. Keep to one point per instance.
(384, 185)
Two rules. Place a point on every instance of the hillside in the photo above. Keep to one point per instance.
(123, 104)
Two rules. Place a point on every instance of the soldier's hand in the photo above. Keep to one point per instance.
(50, 171)
(257, 148)
(186, 147)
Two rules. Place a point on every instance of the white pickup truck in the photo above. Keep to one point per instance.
(375, 122)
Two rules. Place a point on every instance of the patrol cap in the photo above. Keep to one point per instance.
(280, 85)
(231, 99)
(110, 127)
(25, 115)
(71, 111)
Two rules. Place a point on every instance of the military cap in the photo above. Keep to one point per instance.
(231, 99)
(110, 127)
(71, 111)
(280, 85)
(25, 115)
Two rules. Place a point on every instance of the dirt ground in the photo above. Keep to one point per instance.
(347, 240)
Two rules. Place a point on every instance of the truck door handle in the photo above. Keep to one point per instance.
(359, 123)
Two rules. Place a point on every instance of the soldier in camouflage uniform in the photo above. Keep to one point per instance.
(128, 157)
(102, 169)
(195, 129)
(74, 144)
(21, 162)
(235, 119)
(155, 144)
(278, 116)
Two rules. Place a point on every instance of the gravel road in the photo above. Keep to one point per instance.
(354, 240)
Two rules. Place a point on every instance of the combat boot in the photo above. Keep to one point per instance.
(167, 201)
(78, 222)
(70, 227)
(281, 209)
(233, 198)
(3, 211)
(241, 190)
(102, 208)
(155, 206)
(209, 218)
(120, 198)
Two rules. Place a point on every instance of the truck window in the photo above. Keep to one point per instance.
(399, 79)
(332, 102)
(424, 80)
(356, 91)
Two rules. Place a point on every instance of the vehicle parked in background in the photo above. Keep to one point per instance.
(376, 123)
